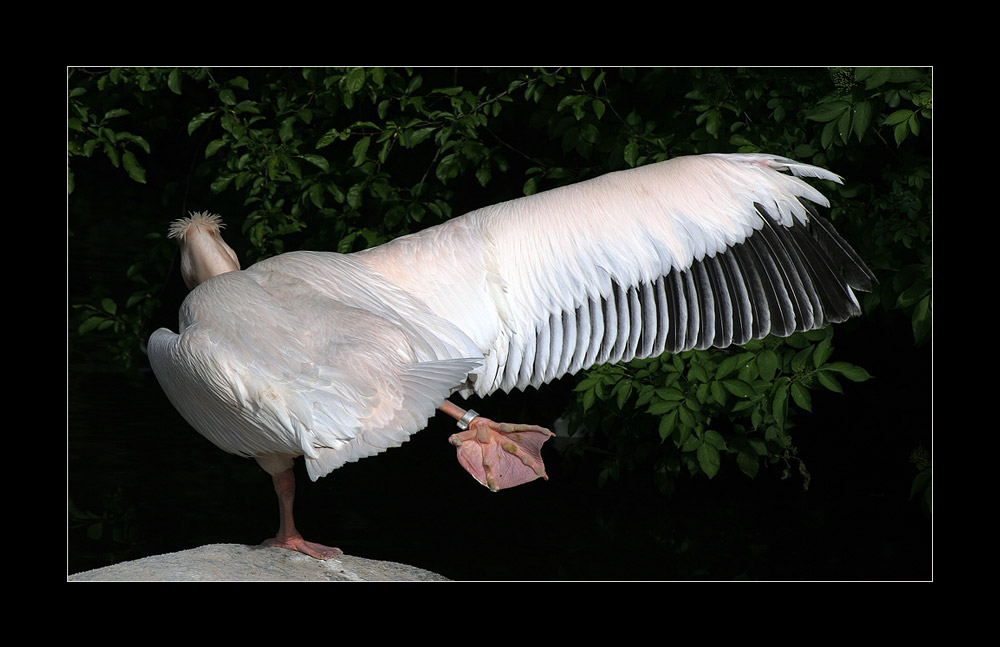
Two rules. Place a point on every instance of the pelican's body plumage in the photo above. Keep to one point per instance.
(309, 354)
(335, 357)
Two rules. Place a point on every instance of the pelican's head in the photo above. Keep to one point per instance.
(203, 252)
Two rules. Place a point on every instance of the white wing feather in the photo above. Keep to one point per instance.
(585, 274)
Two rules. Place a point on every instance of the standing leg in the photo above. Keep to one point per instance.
(288, 537)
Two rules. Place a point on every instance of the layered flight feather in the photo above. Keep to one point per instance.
(693, 252)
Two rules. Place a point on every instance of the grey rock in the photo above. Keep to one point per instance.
(239, 563)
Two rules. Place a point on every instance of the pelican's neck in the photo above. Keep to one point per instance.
(203, 252)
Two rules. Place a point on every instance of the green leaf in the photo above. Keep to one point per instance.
(899, 133)
(862, 118)
(708, 459)
(850, 371)
(448, 167)
(873, 76)
(670, 393)
(316, 195)
(198, 120)
(598, 107)
(802, 359)
(828, 381)
(660, 408)
(767, 364)
(739, 388)
(667, 425)
(685, 416)
(826, 137)
(779, 404)
(898, 117)
(801, 396)
(624, 390)
(112, 154)
(89, 324)
(697, 372)
(749, 464)
(220, 183)
(133, 168)
(345, 244)
(360, 151)
(715, 439)
(714, 122)
(329, 137)
(174, 81)
(727, 366)
(587, 383)
(483, 175)
(355, 80)
(631, 153)
(830, 111)
(317, 160)
(354, 196)
(115, 113)
(844, 126)
(822, 352)
(213, 147)
(286, 131)
(718, 392)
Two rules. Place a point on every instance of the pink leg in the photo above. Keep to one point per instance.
(499, 455)
(288, 537)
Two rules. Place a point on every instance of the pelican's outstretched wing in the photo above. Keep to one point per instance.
(694, 252)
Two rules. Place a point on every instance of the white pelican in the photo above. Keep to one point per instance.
(335, 357)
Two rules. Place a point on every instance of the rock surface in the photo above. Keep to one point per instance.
(239, 563)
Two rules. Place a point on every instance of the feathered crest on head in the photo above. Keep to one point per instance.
(209, 221)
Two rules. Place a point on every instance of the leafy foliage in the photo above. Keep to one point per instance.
(344, 159)
(708, 404)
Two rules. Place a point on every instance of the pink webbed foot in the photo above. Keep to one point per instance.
(319, 551)
(501, 455)
(288, 536)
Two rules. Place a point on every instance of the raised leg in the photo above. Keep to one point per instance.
(499, 455)
(288, 537)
